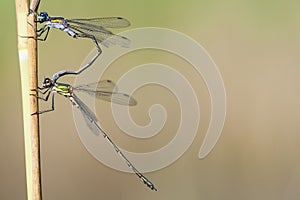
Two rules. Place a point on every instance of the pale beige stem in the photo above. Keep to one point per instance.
(27, 48)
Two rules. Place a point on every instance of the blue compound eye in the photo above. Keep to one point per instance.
(43, 15)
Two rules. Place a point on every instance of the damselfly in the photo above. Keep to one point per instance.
(93, 28)
(105, 91)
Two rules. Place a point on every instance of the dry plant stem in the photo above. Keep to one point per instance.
(28, 71)
(34, 5)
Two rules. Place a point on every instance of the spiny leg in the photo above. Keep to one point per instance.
(40, 32)
(46, 99)
(41, 90)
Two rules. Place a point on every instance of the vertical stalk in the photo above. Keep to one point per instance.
(27, 47)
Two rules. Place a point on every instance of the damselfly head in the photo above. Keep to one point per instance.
(47, 82)
(43, 16)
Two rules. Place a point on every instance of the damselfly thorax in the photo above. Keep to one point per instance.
(61, 24)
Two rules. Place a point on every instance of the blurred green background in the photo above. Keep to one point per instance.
(255, 45)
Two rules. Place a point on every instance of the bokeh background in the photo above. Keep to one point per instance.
(256, 46)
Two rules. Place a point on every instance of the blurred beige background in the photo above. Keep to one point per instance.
(255, 45)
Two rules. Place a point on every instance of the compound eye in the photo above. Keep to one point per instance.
(43, 15)
(47, 82)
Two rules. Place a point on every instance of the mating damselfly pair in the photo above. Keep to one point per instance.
(96, 30)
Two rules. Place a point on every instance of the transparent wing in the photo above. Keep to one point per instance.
(104, 22)
(116, 97)
(89, 117)
(104, 85)
(107, 90)
(97, 27)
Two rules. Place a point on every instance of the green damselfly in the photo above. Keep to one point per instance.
(105, 91)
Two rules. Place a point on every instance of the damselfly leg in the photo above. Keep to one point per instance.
(48, 93)
(40, 32)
